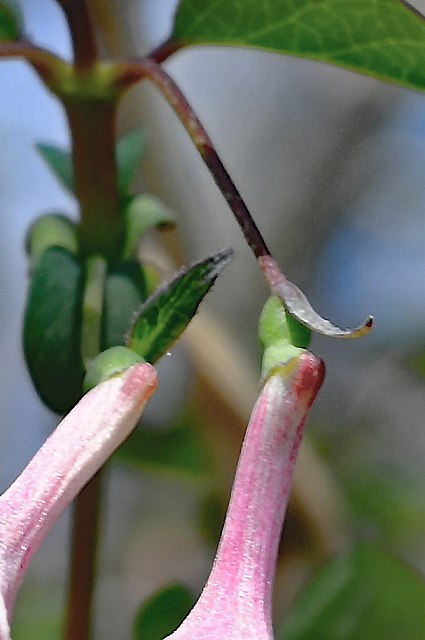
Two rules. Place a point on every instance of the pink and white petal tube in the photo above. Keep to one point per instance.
(75, 451)
(236, 601)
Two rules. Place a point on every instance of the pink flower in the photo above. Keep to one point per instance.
(236, 601)
(79, 446)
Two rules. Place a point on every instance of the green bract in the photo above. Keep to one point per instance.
(109, 363)
(281, 335)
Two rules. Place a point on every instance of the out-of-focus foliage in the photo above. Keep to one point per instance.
(366, 594)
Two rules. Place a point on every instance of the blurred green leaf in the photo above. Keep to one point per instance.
(162, 613)
(11, 21)
(181, 449)
(169, 310)
(364, 595)
(60, 162)
(125, 291)
(382, 38)
(39, 613)
(52, 329)
(143, 213)
(130, 150)
(389, 503)
(212, 513)
(417, 364)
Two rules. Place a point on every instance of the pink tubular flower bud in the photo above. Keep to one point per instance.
(236, 601)
(75, 451)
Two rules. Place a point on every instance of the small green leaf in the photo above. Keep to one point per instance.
(364, 595)
(11, 21)
(60, 162)
(130, 150)
(52, 329)
(144, 212)
(162, 613)
(383, 38)
(166, 314)
(51, 230)
(180, 449)
(125, 291)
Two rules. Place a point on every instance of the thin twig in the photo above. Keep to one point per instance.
(133, 70)
(47, 64)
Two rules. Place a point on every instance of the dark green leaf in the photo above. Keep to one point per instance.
(130, 150)
(383, 38)
(162, 613)
(52, 329)
(60, 162)
(178, 450)
(364, 595)
(11, 22)
(125, 291)
(167, 313)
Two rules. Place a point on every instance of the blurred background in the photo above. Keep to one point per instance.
(331, 166)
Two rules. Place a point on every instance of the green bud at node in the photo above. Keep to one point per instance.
(108, 364)
(282, 337)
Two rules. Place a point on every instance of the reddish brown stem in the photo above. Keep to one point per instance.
(85, 533)
(45, 63)
(134, 70)
(92, 125)
(164, 51)
(82, 34)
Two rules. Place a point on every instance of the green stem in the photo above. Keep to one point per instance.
(92, 307)
(85, 534)
(133, 70)
(92, 125)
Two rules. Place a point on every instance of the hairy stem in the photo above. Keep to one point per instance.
(134, 70)
(82, 577)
